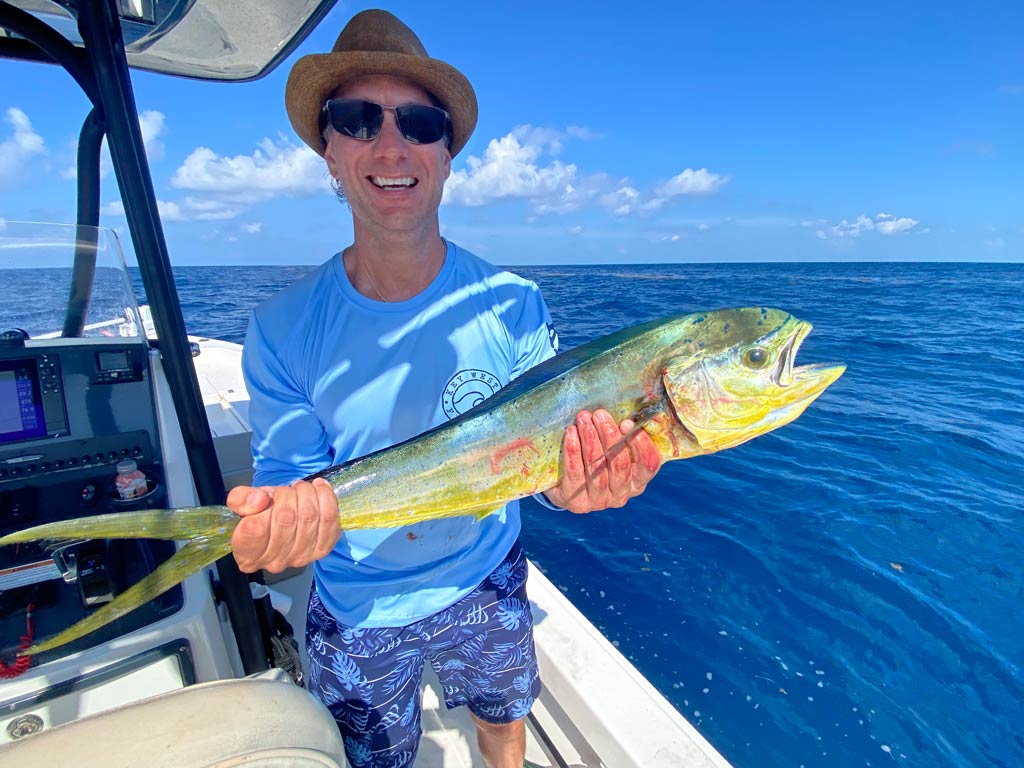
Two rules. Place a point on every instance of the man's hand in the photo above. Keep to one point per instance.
(283, 526)
(594, 478)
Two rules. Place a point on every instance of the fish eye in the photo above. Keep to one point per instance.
(757, 357)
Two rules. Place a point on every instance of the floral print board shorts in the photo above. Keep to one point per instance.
(481, 649)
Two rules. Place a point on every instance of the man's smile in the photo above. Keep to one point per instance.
(393, 182)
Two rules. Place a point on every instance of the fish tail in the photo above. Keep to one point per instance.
(207, 531)
(191, 558)
(181, 524)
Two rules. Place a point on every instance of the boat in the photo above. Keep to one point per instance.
(210, 673)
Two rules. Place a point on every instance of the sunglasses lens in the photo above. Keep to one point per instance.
(356, 118)
(422, 124)
(359, 119)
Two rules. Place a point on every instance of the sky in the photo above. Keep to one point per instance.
(609, 133)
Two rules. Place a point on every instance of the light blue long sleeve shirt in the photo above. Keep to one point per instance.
(333, 375)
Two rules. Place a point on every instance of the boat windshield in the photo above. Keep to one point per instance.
(207, 39)
(41, 282)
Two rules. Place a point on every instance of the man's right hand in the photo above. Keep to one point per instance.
(283, 526)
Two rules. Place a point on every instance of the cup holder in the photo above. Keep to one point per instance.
(152, 497)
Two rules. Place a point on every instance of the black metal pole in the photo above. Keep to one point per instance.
(47, 44)
(101, 32)
(90, 140)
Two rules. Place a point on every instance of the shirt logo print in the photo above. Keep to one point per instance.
(466, 389)
(553, 337)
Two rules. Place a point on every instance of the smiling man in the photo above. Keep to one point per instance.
(395, 334)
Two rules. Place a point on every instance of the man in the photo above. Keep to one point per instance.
(399, 332)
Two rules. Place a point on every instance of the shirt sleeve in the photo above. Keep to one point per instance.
(534, 339)
(288, 440)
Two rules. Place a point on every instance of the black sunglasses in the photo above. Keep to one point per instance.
(362, 120)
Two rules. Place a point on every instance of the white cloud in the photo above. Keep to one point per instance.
(853, 229)
(225, 187)
(579, 132)
(514, 167)
(883, 223)
(623, 201)
(896, 225)
(691, 182)
(272, 170)
(544, 138)
(23, 144)
(188, 209)
(151, 123)
(509, 169)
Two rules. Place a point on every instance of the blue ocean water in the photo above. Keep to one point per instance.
(847, 591)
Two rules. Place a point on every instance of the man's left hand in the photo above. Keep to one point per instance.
(600, 467)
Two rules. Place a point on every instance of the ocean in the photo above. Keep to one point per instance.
(846, 591)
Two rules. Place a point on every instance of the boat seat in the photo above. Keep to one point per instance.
(258, 721)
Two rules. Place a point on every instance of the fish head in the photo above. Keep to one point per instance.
(733, 376)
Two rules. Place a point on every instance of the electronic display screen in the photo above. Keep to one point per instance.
(113, 361)
(21, 404)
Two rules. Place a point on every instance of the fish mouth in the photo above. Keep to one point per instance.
(783, 374)
(803, 381)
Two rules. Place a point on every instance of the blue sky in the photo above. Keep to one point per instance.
(630, 133)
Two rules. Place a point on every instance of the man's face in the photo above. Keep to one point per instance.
(417, 172)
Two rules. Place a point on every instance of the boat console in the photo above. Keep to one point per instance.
(82, 388)
(70, 410)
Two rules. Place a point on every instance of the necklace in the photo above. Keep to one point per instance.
(366, 272)
(369, 277)
(373, 284)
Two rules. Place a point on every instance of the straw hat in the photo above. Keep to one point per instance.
(376, 43)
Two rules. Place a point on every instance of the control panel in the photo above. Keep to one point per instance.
(70, 410)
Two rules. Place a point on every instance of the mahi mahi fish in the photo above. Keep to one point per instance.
(696, 383)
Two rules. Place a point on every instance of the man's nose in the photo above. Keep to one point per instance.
(390, 139)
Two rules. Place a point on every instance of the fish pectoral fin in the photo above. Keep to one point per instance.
(645, 415)
(191, 558)
(481, 512)
(649, 412)
(615, 448)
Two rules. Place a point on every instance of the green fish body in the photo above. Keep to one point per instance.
(696, 383)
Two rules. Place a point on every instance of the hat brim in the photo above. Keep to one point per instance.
(315, 77)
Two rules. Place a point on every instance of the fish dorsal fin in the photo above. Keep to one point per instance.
(561, 364)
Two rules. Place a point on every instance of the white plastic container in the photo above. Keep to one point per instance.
(130, 480)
